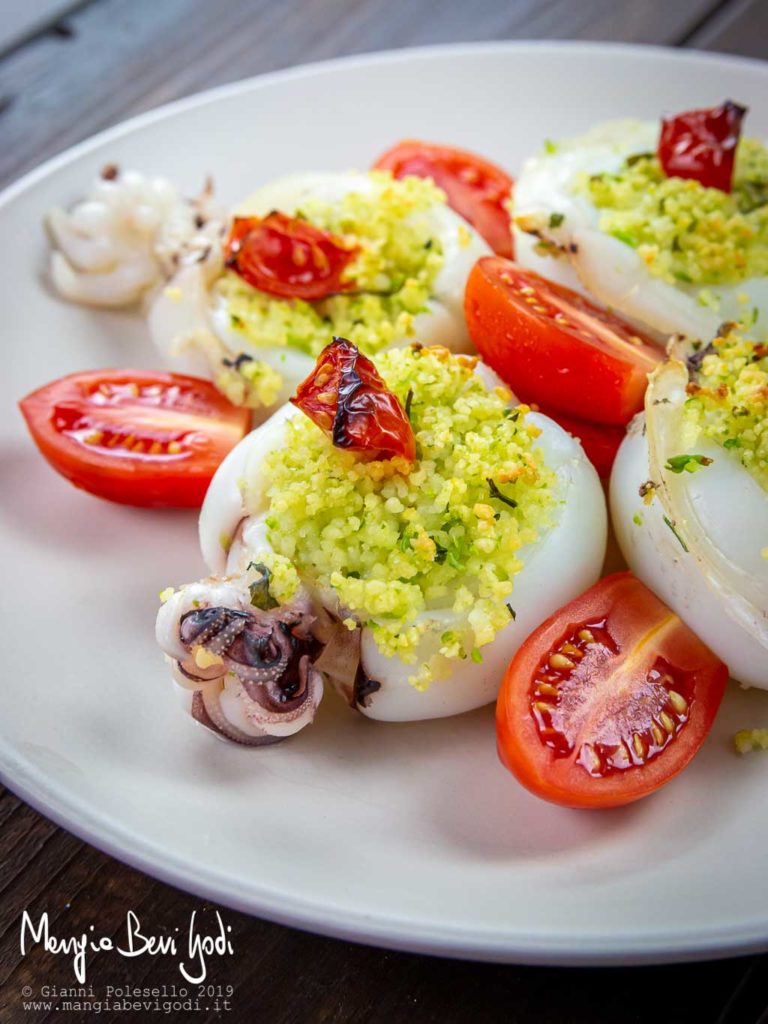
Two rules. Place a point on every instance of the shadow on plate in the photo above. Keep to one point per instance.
(38, 505)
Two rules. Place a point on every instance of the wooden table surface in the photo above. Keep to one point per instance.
(105, 61)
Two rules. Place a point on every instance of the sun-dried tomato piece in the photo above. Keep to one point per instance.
(287, 257)
(701, 144)
(345, 396)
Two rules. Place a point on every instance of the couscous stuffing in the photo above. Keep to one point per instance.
(393, 274)
(683, 231)
(728, 399)
(394, 542)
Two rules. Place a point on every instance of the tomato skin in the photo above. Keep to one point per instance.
(345, 396)
(629, 609)
(287, 257)
(600, 441)
(584, 366)
(108, 432)
(478, 190)
(701, 144)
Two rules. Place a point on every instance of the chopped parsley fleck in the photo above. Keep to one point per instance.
(671, 525)
(687, 463)
(626, 238)
(408, 400)
(259, 589)
(496, 493)
(556, 219)
(637, 157)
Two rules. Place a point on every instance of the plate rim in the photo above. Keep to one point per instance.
(665, 53)
(628, 948)
(108, 836)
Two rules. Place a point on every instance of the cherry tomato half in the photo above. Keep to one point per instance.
(556, 347)
(701, 144)
(477, 190)
(345, 396)
(135, 437)
(287, 257)
(608, 699)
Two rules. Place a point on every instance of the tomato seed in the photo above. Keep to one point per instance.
(546, 690)
(678, 702)
(560, 661)
(590, 759)
(667, 722)
(620, 757)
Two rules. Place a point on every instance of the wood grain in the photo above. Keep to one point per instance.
(740, 27)
(125, 56)
(281, 975)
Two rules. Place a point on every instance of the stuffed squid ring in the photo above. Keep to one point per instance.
(250, 299)
(661, 222)
(432, 523)
(689, 495)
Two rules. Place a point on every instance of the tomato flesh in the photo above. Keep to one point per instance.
(701, 144)
(345, 396)
(556, 347)
(287, 257)
(608, 699)
(138, 438)
(478, 190)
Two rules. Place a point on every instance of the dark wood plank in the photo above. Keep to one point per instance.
(125, 56)
(291, 977)
(286, 977)
(740, 27)
(22, 20)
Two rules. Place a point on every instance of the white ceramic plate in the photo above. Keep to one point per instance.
(406, 835)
